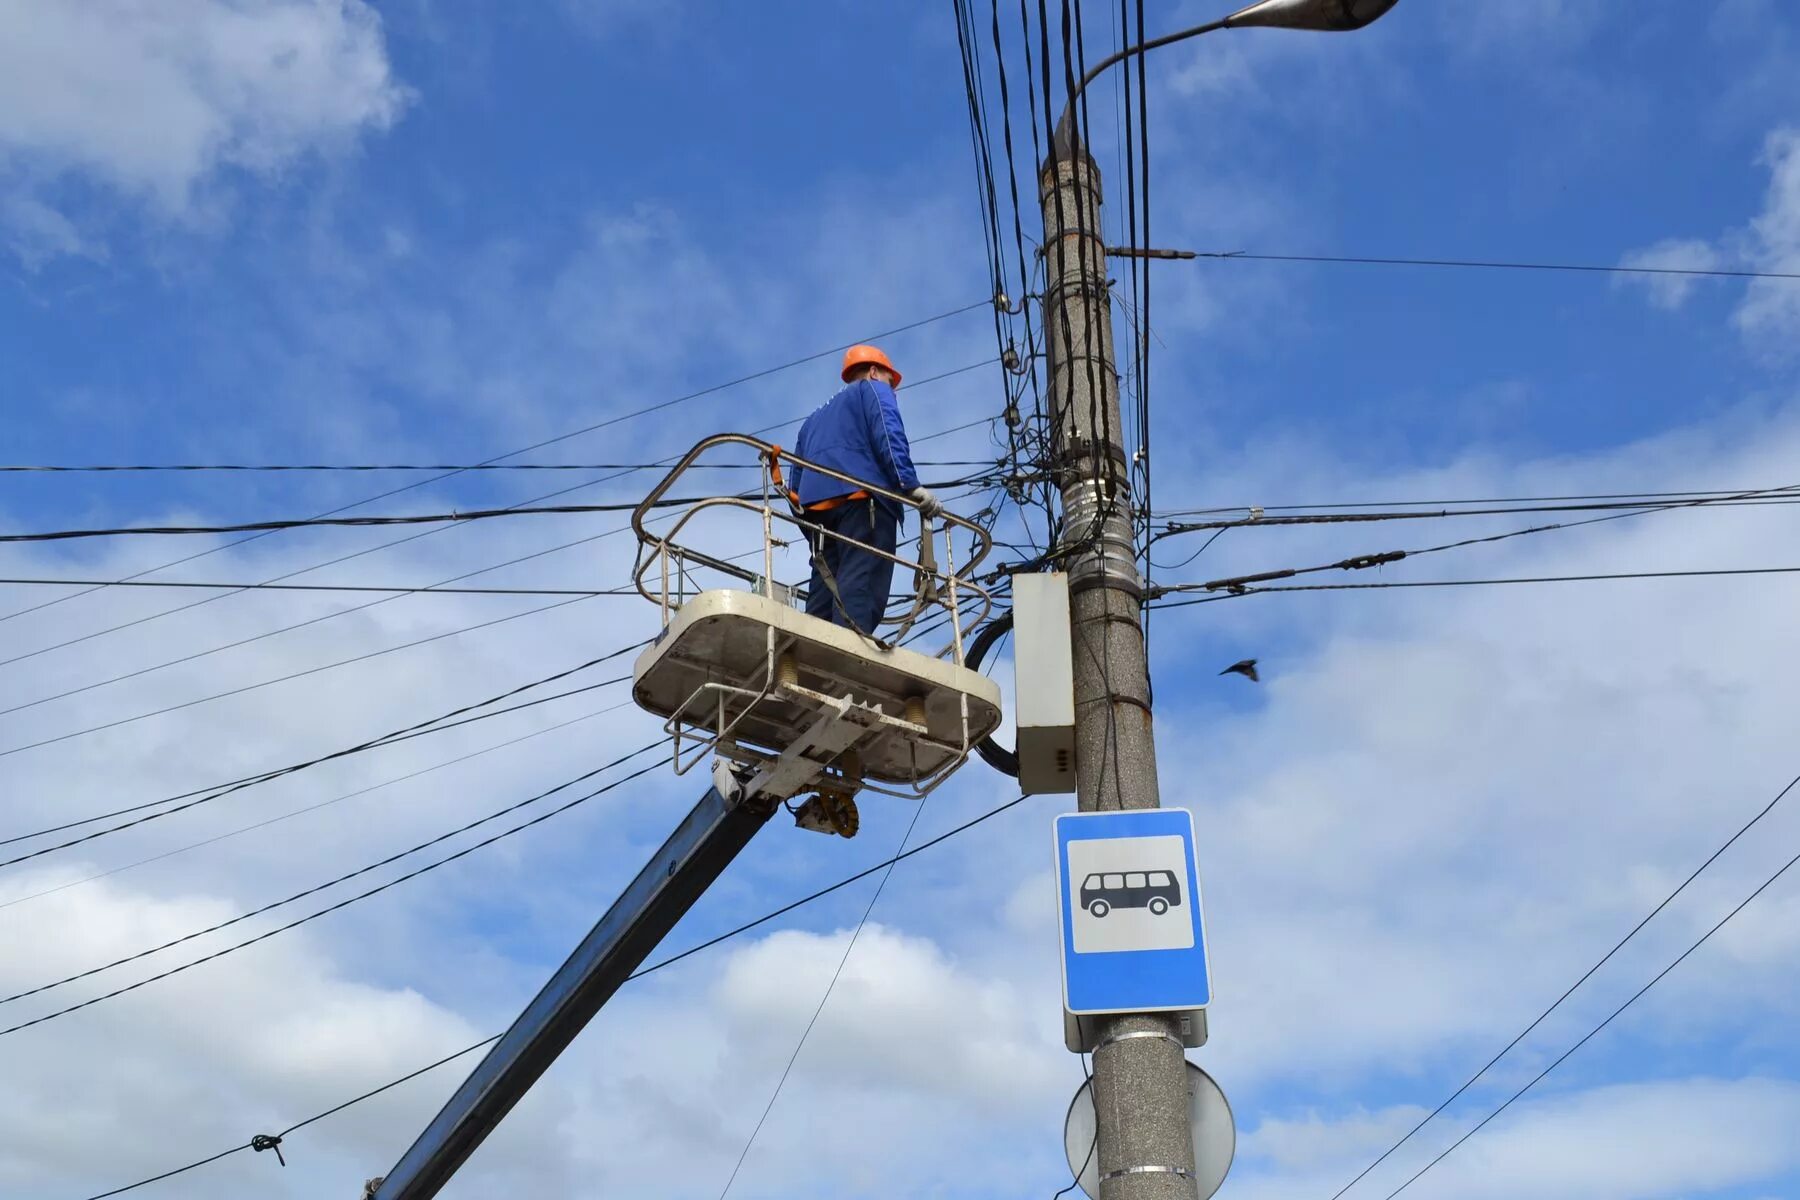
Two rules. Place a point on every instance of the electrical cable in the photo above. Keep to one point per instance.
(317, 587)
(251, 687)
(258, 779)
(1237, 583)
(1588, 1036)
(218, 790)
(314, 807)
(1585, 976)
(1449, 583)
(349, 900)
(823, 1000)
(639, 974)
(1764, 497)
(1244, 256)
(389, 598)
(478, 514)
(330, 883)
(1475, 500)
(546, 442)
(76, 468)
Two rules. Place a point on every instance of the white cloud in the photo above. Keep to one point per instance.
(36, 232)
(1769, 314)
(1672, 254)
(152, 100)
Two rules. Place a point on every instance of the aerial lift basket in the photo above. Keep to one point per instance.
(796, 703)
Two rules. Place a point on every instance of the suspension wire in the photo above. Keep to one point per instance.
(707, 391)
(218, 790)
(639, 974)
(349, 900)
(314, 807)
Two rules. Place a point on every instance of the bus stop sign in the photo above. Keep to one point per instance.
(1129, 909)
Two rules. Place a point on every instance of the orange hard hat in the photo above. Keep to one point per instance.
(856, 356)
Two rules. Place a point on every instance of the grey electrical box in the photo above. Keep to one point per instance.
(1043, 683)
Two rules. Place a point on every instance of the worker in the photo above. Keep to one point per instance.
(858, 433)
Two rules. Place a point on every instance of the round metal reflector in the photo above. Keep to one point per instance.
(1209, 1115)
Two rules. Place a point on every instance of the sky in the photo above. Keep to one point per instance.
(325, 231)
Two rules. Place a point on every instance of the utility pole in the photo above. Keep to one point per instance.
(1145, 1146)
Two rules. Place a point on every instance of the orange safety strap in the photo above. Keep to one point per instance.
(821, 506)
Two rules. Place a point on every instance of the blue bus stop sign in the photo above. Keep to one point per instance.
(1129, 909)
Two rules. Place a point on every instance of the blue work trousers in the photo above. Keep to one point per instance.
(863, 579)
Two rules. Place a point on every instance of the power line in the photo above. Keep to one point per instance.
(1237, 584)
(474, 514)
(218, 790)
(478, 514)
(251, 687)
(1447, 583)
(384, 599)
(338, 799)
(79, 468)
(349, 900)
(656, 966)
(706, 391)
(344, 878)
(319, 587)
(1365, 504)
(823, 1001)
(1259, 516)
(1585, 976)
(1586, 268)
(1585, 1038)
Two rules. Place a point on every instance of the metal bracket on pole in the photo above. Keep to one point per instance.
(675, 877)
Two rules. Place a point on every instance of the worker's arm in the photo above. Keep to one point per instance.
(888, 435)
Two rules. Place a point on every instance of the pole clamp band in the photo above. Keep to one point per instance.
(1121, 1172)
(1134, 1035)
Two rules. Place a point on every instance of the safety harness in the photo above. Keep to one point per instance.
(924, 578)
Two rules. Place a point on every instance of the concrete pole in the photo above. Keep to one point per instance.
(1145, 1149)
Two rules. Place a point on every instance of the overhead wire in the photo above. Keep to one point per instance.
(657, 966)
(1584, 268)
(694, 395)
(292, 675)
(347, 901)
(360, 607)
(1572, 988)
(389, 860)
(77, 468)
(1597, 1029)
(1238, 583)
(218, 791)
(240, 586)
(1444, 503)
(825, 999)
(1450, 583)
(612, 532)
(317, 805)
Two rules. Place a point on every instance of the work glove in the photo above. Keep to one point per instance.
(929, 505)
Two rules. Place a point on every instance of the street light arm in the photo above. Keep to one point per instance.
(1065, 130)
(1318, 15)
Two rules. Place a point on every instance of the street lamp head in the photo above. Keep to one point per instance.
(1326, 15)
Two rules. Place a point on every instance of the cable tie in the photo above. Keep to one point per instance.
(268, 1141)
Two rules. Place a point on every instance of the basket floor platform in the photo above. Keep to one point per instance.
(752, 677)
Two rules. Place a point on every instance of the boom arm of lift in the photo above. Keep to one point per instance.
(719, 826)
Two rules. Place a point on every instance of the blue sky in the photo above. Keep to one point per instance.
(316, 230)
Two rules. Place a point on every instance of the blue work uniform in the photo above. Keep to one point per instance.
(858, 432)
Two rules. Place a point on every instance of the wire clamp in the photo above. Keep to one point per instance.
(268, 1141)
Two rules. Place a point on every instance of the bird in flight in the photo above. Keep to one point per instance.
(1246, 668)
